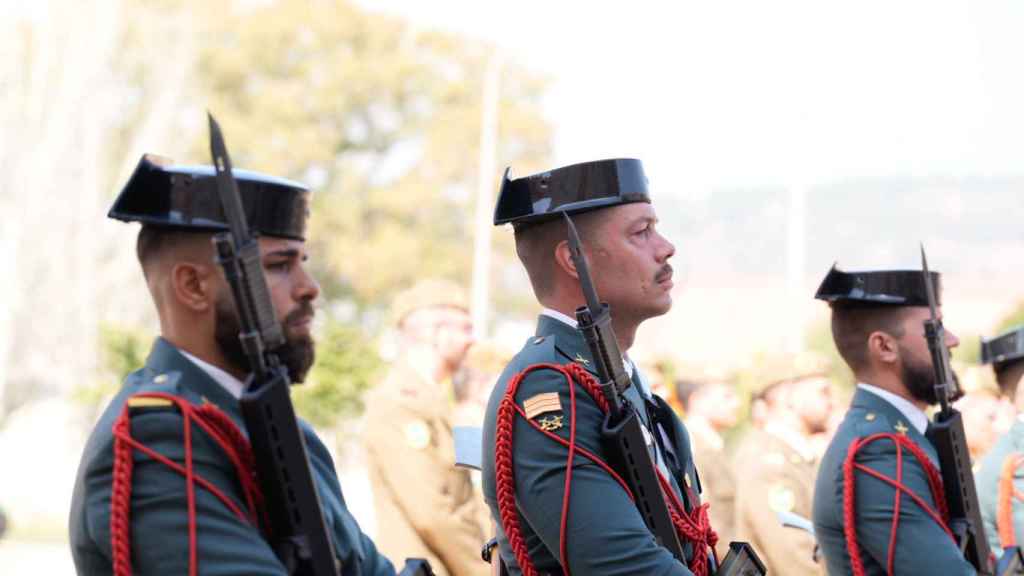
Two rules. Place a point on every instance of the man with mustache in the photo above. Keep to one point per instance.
(604, 533)
(878, 328)
(199, 366)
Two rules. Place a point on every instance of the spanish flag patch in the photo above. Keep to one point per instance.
(542, 404)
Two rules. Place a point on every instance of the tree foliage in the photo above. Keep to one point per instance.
(383, 120)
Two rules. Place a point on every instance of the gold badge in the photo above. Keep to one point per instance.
(542, 404)
(550, 423)
(901, 428)
(781, 499)
(580, 359)
(417, 434)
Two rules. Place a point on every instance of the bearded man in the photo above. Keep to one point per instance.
(878, 328)
(187, 494)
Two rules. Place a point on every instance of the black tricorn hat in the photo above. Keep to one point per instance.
(1006, 347)
(160, 193)
(877, 288)
(572, 189)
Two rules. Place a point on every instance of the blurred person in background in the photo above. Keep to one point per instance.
(1000, 475)
(775, 467)
(473, 381)
(710, 408)
(425, 506)
(982, 411)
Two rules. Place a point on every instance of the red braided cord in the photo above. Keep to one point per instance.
(941, 517)
(694, 526)
(223, 431)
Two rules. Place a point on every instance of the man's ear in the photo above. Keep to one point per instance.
(563, 259)
(882, 347)
(193, 285)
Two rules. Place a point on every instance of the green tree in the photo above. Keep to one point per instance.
(383, 120)
(347, 365)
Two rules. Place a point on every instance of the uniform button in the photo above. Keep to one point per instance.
(870, 416)
(160, 379)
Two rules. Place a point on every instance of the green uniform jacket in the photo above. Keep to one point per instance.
(606, 534)
(990, 469)
(159, 513)
(922, 547)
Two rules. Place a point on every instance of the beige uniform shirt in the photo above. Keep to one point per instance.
(425, 506)
(716, 480)
(772, 476)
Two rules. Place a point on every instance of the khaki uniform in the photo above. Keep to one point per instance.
(717, 481)
(772, 476)
(425, 507)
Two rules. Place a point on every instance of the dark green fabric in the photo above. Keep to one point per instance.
(990, 469)
(922, 547)
(606, 534)
(159, 522)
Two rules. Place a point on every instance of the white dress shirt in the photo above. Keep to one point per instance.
(918, 419)
(233, 385)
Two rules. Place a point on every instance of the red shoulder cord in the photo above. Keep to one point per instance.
(1007, 493)
(693, 526)
(849, 494)
(223, 431)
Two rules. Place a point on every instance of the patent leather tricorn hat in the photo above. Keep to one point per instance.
(572, 189)
(877, 288)
(1006, 347)
(160, 193)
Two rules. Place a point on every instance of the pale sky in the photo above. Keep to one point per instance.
(726, 95)
(739, 92)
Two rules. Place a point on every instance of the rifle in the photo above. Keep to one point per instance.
(622, 431)
(299, 535)
(946, 433)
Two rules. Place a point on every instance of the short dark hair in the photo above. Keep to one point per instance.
(535, 246)
(851, 327)
(1008, 375)
(153, 241)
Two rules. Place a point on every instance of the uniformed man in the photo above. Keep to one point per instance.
(877, 326)
(603, 533)
(425, 505)
(710, 407)
(1000, 478)
(198, 359)
(775, 467)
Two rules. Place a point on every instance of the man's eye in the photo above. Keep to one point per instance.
(279, 266)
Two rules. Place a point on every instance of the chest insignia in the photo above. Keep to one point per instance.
(580, 359)
(551, 423)
(901, 428)
(781, 499)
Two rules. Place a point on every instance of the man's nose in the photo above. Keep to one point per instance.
(666, 250)
(307, 288)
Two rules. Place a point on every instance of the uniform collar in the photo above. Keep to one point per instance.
(167, 358)
(571, 322)
(917, 418)
(233, 385)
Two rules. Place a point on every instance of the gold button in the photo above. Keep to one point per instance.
(160, 379)
(870, 416)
